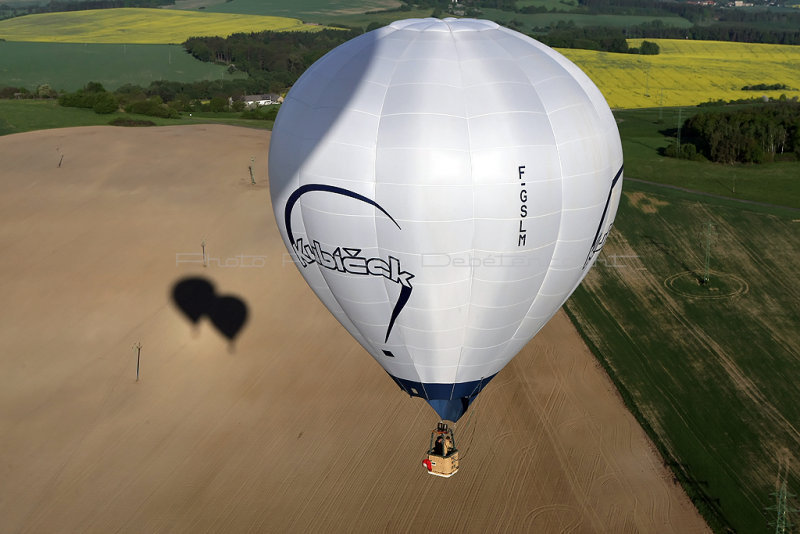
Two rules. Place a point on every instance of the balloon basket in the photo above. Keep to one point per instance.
(443, 457)
(442, 466)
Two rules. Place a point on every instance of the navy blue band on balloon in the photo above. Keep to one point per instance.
(449, 400)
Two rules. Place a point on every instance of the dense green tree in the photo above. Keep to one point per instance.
(83, 98)
(590, 38)
(649, 48)
(105, 103)
(45, 91)
(94, 87)
(218, 104)
(153, 107)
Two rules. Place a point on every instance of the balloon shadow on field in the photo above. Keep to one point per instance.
(663, 248)
(196, 298)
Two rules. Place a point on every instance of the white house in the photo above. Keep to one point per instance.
(253, 101)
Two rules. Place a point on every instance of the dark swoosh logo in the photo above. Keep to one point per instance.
(603, 218)
(405, 291)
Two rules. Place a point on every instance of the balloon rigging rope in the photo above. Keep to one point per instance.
(471, 436)
(468, 419)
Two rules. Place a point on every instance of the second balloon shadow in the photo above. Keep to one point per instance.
(196, 297)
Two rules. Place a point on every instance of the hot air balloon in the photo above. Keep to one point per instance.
(443, 187)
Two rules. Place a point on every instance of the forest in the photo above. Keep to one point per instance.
(276, 59)
(567, 35)
(750, 134)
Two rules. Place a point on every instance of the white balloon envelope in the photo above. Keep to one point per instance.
(444, 186)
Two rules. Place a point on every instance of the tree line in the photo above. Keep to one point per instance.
(180, 94)
(741, 33)
(767, 87)
(167, 99)
(568, 35)
(752, 134)
(274, 59)
(94, 96)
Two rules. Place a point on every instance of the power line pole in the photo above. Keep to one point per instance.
(138, 347)
(784, 511)
(782, 521)
(679, 131)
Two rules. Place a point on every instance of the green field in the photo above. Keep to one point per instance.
(707, 369)
(68, 66)
(17, 116)
(563, 5)
(644, 131)
(383, 18)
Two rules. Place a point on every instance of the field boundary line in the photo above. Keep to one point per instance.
(712, 195)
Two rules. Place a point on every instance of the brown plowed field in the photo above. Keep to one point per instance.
(293, 428)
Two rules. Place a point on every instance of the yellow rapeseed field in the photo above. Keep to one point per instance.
(688, 73)
(138, 26)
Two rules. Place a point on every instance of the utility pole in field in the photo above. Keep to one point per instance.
(138, 347)
(784, 511)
